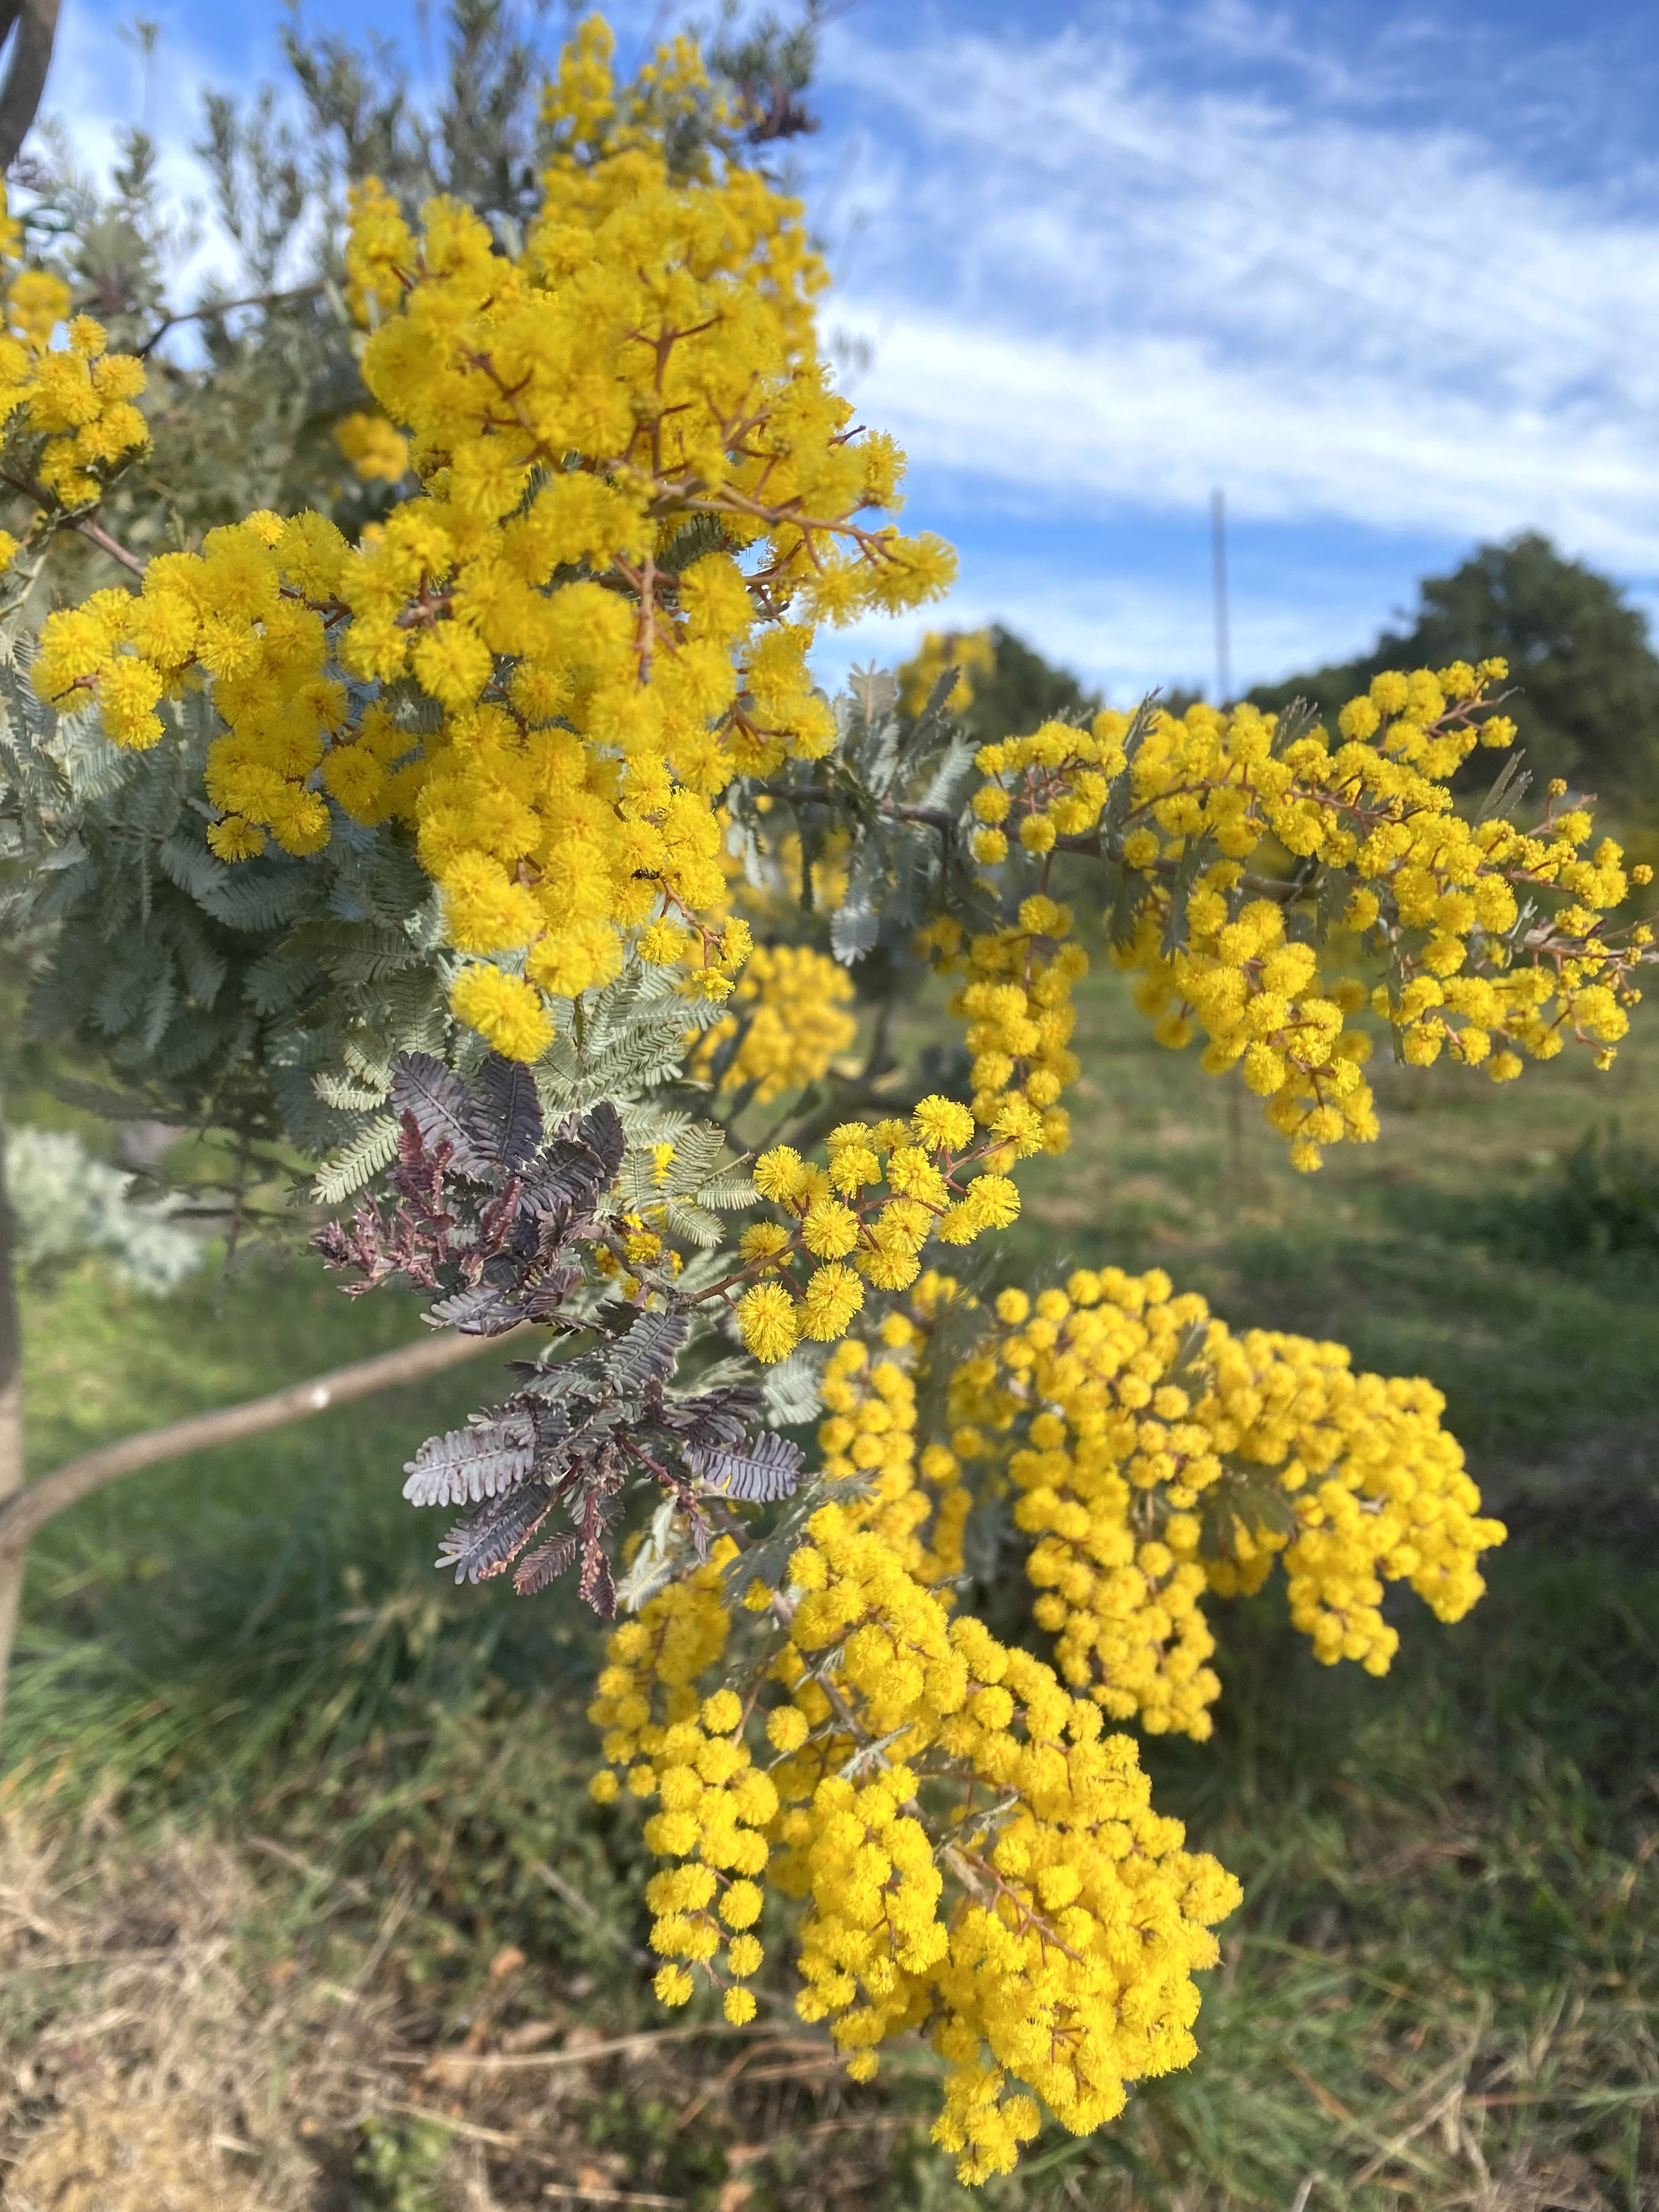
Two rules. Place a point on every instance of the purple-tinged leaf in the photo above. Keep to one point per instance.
(486, 1542)
(467, 1465)
(436, 1097)
(551, 1293)
(503, 1115)
(498, 1219)
(595, 1585)
(769, 1468)
(543, 1565)
(565, 1184)
(712, 1420)
(480, 1309)
(647, 1353)
(601, 1130)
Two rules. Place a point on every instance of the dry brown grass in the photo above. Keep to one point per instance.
(145, 2061)
(114, 2154)
(168, 2043)
(199, 2026)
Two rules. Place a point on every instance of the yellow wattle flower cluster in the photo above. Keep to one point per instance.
(1051, 785)
(687, 1751)
(1439, 901)
(78, 395)
(969, 652)
(786, 1021)
(1378, 806)
(1017, 1001)
(231, 612)
(378, 453)
(1066, 1964)
(869, 1430)
(639, 495)
(1141, 1435)
(1262, 1002)
(1017, 995)
(866, 1216)
(913, 1751)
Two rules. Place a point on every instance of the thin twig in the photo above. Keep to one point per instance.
(573, 2192)
(519, 2062)
(210, 308)
(94, 532)
(27, 1509)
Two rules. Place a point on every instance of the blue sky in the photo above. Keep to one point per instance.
(1389, 274)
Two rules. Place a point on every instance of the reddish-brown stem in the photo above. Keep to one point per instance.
(94, 532)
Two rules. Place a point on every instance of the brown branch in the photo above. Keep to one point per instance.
(26, 1511)
(29, 1509)
(211, 307)
(26, 73)
(93, 531)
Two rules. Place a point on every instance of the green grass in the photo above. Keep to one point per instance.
(1395, 1247)
(1444, 1988)
(271, 1603)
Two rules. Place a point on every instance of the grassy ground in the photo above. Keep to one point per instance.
(302, 1893)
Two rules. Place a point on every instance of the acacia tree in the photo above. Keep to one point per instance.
(507, 860)
(269, 412)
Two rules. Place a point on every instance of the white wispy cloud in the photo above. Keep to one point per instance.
(100, 89)
(1108, 255)
(1129, 257)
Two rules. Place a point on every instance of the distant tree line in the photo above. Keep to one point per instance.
(1585, 678)
(1583, 672)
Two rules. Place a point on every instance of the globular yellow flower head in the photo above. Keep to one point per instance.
(377, 453)
(971, 653)
(80, 396)
(1270, 963)
(637, 496)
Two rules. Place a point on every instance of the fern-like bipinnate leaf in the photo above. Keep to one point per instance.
(768, 1469)
(437, 1098)
(502, 1114)
(357, 1163)
(464, 1466)
(486, 1542)
(544, 1565)
(647, 1353)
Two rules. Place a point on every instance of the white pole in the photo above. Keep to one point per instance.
(1224, 670)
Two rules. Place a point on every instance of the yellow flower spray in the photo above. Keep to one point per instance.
(569, 677)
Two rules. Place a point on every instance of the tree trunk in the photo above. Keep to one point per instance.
(26, 72)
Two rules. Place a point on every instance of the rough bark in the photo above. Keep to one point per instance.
(25, 71)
